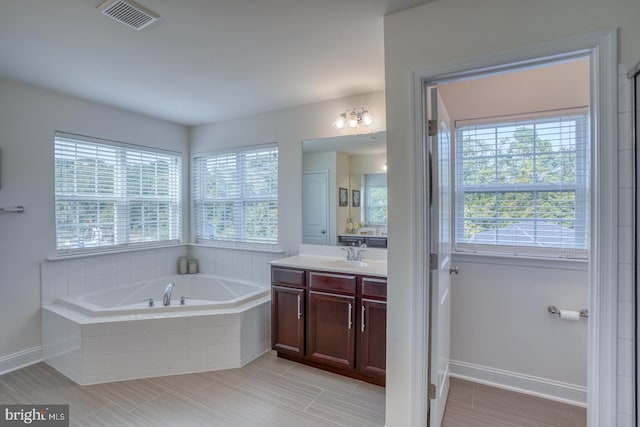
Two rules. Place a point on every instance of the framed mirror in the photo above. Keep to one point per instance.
(344, 190)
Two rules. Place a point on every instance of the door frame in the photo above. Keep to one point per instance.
(601, 47)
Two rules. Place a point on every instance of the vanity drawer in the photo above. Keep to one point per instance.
(374, 287)
(287, 276)
(376, 242)
(351, 240)
(332, 282)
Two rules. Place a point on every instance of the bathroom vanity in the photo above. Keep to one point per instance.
(331, 314)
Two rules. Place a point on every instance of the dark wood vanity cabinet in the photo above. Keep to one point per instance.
(330, 337)
(332, 321)
(372, 357)
(287, 326)
(287, 311)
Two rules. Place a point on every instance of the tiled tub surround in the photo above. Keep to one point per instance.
(156, 341)
(78, 275)
(93, 349)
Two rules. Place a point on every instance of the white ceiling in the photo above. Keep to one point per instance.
(204, 60)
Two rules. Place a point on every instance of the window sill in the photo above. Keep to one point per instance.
(74, 255)
(522, 261)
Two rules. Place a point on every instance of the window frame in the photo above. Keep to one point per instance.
(200, 199)
(121, 199)
(580, 186)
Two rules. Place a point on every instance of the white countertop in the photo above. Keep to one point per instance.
(367, 267)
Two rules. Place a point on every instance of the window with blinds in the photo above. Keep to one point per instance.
(235, 195)
(375, 198)
(110, 195)
(522, 186)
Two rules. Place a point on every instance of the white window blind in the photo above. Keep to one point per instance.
(522, 186)
(110, 195)
(235, 195)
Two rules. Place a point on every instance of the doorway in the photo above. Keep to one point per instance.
(512, 171)
(599, 48)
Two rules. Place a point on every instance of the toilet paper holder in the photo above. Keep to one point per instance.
(554, 310)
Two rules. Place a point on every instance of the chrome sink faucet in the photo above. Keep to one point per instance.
(166, 299)
(354, 253)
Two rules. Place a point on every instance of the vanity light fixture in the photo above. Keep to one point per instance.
(354, 118)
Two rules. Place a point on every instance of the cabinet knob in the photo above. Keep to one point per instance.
(454, 270)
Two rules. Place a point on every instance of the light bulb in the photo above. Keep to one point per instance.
(367, 120)
(340, 122)
(353, 119)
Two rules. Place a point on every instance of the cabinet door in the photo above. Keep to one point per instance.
(287, 320)
(330, 337)
(372, 347)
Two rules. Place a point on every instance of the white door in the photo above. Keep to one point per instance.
(440, 231)
(315, 207)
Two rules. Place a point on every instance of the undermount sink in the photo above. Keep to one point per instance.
(342, 263)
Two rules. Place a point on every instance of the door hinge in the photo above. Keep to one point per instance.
(432, 127)
(432, 391)
(433, 261)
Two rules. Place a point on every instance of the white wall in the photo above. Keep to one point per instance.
(499, 320)
(359, 164)
(29, 116)
(439, 33)
(288, 128)
(553, 87)
(342, 181)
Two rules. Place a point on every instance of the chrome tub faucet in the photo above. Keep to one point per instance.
(166, 299)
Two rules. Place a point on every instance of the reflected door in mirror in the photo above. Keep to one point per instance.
(315, 206)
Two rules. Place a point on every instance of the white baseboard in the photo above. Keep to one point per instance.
(18, 360)
(522, 383)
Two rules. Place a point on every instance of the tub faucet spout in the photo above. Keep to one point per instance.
(166, 299)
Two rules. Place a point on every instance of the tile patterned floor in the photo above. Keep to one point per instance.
(268, 392)
(476, 405)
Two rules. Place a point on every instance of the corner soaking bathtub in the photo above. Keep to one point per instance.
(113, 334)
(200, 292)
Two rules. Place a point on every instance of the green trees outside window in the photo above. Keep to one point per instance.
(523, 183)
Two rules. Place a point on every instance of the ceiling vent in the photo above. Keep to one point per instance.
(129, 13)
